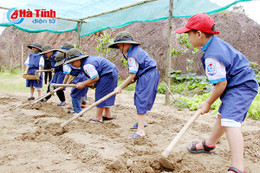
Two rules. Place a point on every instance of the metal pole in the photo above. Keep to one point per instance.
(169, 49)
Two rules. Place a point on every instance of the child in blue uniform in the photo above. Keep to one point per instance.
(143, 69)
(234, 82)
(76, 94)
(58, 76)
(100, 72)
(33, 63)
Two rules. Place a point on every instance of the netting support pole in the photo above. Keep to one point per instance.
(169, 50)
(78, 35)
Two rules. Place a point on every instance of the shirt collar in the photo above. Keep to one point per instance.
(36, 53)
(206, 45)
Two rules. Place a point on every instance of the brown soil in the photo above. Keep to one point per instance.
(31, 139)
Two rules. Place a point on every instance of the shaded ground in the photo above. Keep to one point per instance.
(31, 139)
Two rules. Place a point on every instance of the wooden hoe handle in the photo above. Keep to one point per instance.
(166, 152)
(88, 108)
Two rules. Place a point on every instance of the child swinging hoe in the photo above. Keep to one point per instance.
(234, 83)
(143, 69)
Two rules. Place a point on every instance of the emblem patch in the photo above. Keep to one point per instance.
(211, 69)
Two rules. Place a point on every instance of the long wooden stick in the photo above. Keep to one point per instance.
(174, 100)
(44, 96)
(47, 70)
(59, 85)
(166, 152)
(88, 108)
(62, 85)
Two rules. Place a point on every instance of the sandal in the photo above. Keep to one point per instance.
(135, 126)
(235, 170)
(107, 119)
(206, 149)
(71, 112)
(95, 120)
(136, 135)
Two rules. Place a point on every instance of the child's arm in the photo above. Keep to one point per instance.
(216, 93)
(40, 67)
(26, 69)
(87, 83)
(128, 81)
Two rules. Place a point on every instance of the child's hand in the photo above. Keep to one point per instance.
(205, 107)
(80, 85)
(92, 86)
(118, 90)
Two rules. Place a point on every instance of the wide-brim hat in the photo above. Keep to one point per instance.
(123, 37)
(66, 47)
(35, 45)
(59, 59)
(73, 55)
(47, 48)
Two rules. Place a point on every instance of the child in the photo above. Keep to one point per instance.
(143, 69)
(47, 66)
(234, 82)
(69, 70)
(58, 76)
(76, 94)
(33, 63)
(100, 72)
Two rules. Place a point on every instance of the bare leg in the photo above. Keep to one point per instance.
(236, 145)
(99, 114)
(215, 135)
(141, 122)
(39, 93)
(108, 112)
(32, 91)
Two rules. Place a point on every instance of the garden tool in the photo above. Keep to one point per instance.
(163, 160)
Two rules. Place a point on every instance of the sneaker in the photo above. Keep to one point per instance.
(83, 105)
(61, 104)
(44, 100)
(31, 98)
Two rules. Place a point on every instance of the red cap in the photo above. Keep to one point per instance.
(201, 22)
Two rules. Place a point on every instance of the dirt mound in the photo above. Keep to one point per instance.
(32, 139)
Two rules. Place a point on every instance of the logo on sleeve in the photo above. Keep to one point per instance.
(211, 69)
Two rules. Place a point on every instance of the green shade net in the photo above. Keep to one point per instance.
(84, 10)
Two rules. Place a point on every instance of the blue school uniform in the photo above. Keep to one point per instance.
(242, 86)
(34, 60)
(148, 79)
(58, 76)
(80, 77)
(77, 93)
(108, 78)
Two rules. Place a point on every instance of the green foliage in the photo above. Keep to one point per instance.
(3, 68)
(103, 49)
(196, 82)
(254, 110)
(196, 100)
(124, 61)
(161, 88)
(257, 74)
(193, 103)
(13, 82)
(184, 40)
